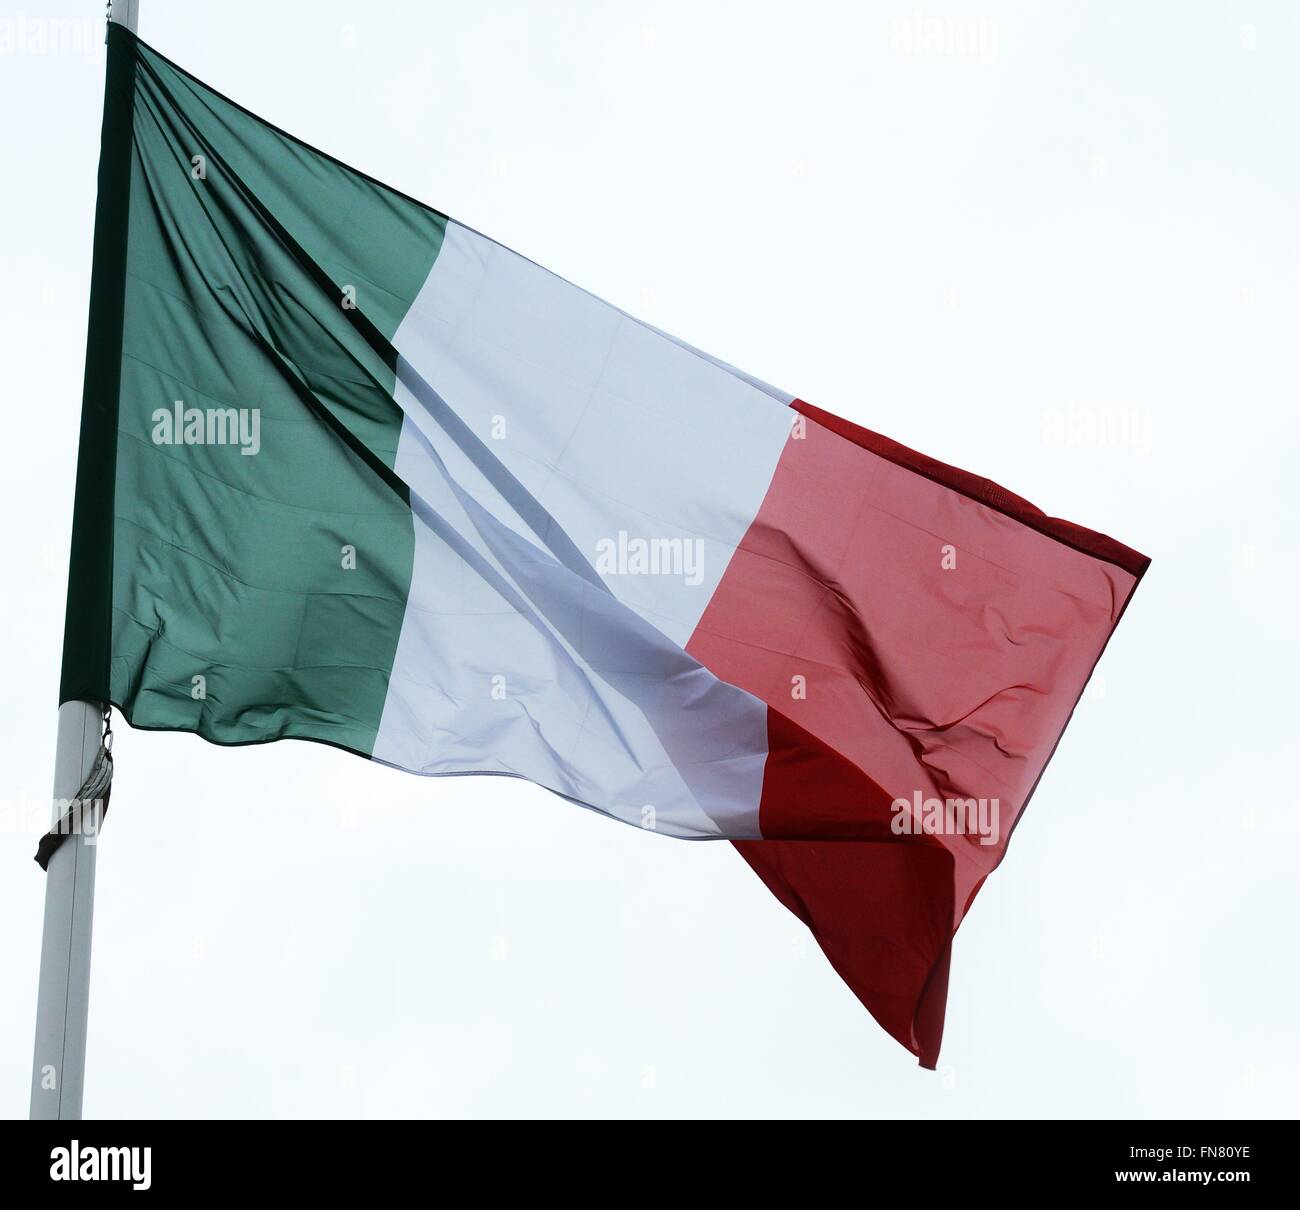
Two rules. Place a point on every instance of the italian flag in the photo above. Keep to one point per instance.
(352, 472)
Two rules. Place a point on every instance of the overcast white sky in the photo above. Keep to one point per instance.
(980, 239)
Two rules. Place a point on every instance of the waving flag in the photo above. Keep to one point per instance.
(352, 472)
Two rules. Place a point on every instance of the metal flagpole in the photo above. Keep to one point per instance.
(63, 994)
(62, 999)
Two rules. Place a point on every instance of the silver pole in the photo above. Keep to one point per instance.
(63, 993)
(125, 12)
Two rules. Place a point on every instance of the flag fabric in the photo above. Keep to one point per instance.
(355, 473)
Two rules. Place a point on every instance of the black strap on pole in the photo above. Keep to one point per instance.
(93, 794)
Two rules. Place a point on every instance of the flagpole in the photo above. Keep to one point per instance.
(58, 1065)
(63, 992)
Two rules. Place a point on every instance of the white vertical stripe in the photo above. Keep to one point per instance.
(543, 430)
(610, 424)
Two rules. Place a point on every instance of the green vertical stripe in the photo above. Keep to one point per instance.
(88, 621)
(230, 567)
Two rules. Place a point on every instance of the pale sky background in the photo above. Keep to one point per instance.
(978, 246)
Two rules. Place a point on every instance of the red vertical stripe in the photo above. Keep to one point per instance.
(932, 633)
